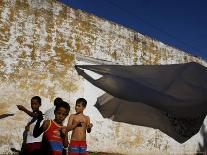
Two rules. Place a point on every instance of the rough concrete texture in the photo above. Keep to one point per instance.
(42, 40)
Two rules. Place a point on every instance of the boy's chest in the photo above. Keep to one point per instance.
(80, 119)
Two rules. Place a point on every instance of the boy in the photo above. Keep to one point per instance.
(54, 142)
(32, 145)
(79, 124)
(49, 114)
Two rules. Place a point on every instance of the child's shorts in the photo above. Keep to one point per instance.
(33, 148)
(77, 148)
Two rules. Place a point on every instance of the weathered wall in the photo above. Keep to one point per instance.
(39, 44)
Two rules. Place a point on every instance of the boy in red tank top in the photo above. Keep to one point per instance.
(54, 142)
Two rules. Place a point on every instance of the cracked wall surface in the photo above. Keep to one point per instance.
(41, 41)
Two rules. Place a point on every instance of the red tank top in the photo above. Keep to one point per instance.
(52, 139)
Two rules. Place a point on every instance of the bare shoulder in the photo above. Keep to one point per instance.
(46, 124)
(87, 117)
(72, 115)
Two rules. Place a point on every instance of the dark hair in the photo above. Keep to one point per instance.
(57, 101)
(64, 105)
(37, 98)
(82, 100)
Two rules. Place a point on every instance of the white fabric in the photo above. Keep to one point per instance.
(49, 114)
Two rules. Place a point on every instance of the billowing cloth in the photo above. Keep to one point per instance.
(174, 94)
(137, 113)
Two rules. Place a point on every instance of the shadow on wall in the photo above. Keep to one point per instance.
(22, 151)
(203, 147)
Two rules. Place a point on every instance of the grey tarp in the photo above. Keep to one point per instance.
(177, 92)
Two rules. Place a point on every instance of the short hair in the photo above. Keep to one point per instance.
(64, 105)
(57, 101)
(37, 98)
(82, 100)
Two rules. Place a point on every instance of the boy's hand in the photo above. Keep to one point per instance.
(76, 124)
(63, 131)
(90, 125)
(79, 124)
(21, 107)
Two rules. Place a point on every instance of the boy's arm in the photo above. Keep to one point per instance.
(65, 142)
(64, 135)
(89, 125)
(65, 145)
(30, 113)
(70, 125)
(38, 130)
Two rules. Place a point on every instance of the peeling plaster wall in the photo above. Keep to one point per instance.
(39, 44)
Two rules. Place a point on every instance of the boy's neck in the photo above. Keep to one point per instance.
(79, 113)
(57, 122)
(35, 110)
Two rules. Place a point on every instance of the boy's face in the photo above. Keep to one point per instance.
(60, 115)
(79, 107)
(35, 105)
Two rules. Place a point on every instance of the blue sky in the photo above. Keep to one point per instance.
(178, 23)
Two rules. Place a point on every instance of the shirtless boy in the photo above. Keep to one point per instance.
(79, 124)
